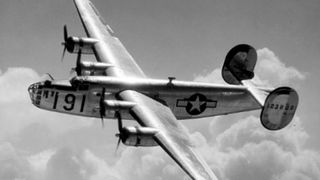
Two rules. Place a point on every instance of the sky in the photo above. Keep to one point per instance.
(182, 38)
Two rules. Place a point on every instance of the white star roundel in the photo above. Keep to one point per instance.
(196, 104)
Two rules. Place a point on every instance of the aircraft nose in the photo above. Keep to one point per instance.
(31, 91)
(34, 93)
(30, 88)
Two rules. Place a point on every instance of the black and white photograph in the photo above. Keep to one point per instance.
(159, 90)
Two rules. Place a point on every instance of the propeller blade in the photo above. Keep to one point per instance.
(78, 71)
(102, 113)
(65, 33)
(63, 53)
(118, 116)
(118, 144)
(65, 37)
(50, 76)
(102, 108)
(102, 122)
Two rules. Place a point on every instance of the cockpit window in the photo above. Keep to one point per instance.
(45, 93)
(35, 93)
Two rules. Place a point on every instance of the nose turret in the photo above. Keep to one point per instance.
(35, 93)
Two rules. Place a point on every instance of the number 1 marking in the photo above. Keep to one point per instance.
(82, 103)
(55, 100)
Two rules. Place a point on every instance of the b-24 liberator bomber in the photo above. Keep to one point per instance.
(115, 87)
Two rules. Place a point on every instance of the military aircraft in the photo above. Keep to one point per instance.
(116, 88)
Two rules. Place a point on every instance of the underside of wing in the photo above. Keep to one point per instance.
(108, 49)
(171, 136)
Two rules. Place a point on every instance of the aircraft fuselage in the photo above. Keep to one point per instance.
(186, 99)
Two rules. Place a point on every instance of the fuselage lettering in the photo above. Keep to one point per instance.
(69, 99)
(280, 106)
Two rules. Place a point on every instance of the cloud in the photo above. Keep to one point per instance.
(246, 151)
(65, 165)
(99, 169)
(16, 110)
(269, 70)
(14, 83)
(38, 144)
(28, 135)
(213, 77)
(14, 98)
(240, 148)
(12, 164)
(39, 161)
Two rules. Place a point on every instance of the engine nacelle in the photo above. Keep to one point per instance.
(118, 104)
(91, 68)
(75, 44)
(138, 136)
(239, 64)
(87, 65)
(279, 108)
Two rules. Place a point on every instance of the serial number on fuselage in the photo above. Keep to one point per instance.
(59, 100)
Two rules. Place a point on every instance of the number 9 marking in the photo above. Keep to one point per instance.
(70, 100)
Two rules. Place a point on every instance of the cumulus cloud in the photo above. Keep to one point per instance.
(246, 151)
(37, 144)
(243, 149)
(26, 131)
(39, 161)
(14, 83)
(14, 98)
(213, 77)
(12, 164)
(269, 70)
(16, 110)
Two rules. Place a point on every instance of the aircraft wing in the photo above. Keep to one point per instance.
(109, 49)
(172, 136)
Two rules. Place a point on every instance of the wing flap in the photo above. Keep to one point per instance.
(172, 136)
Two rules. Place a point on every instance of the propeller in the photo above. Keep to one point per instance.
(119, 135)
(102, 107)
(65, 43)
(50, 76)
(118, 143)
